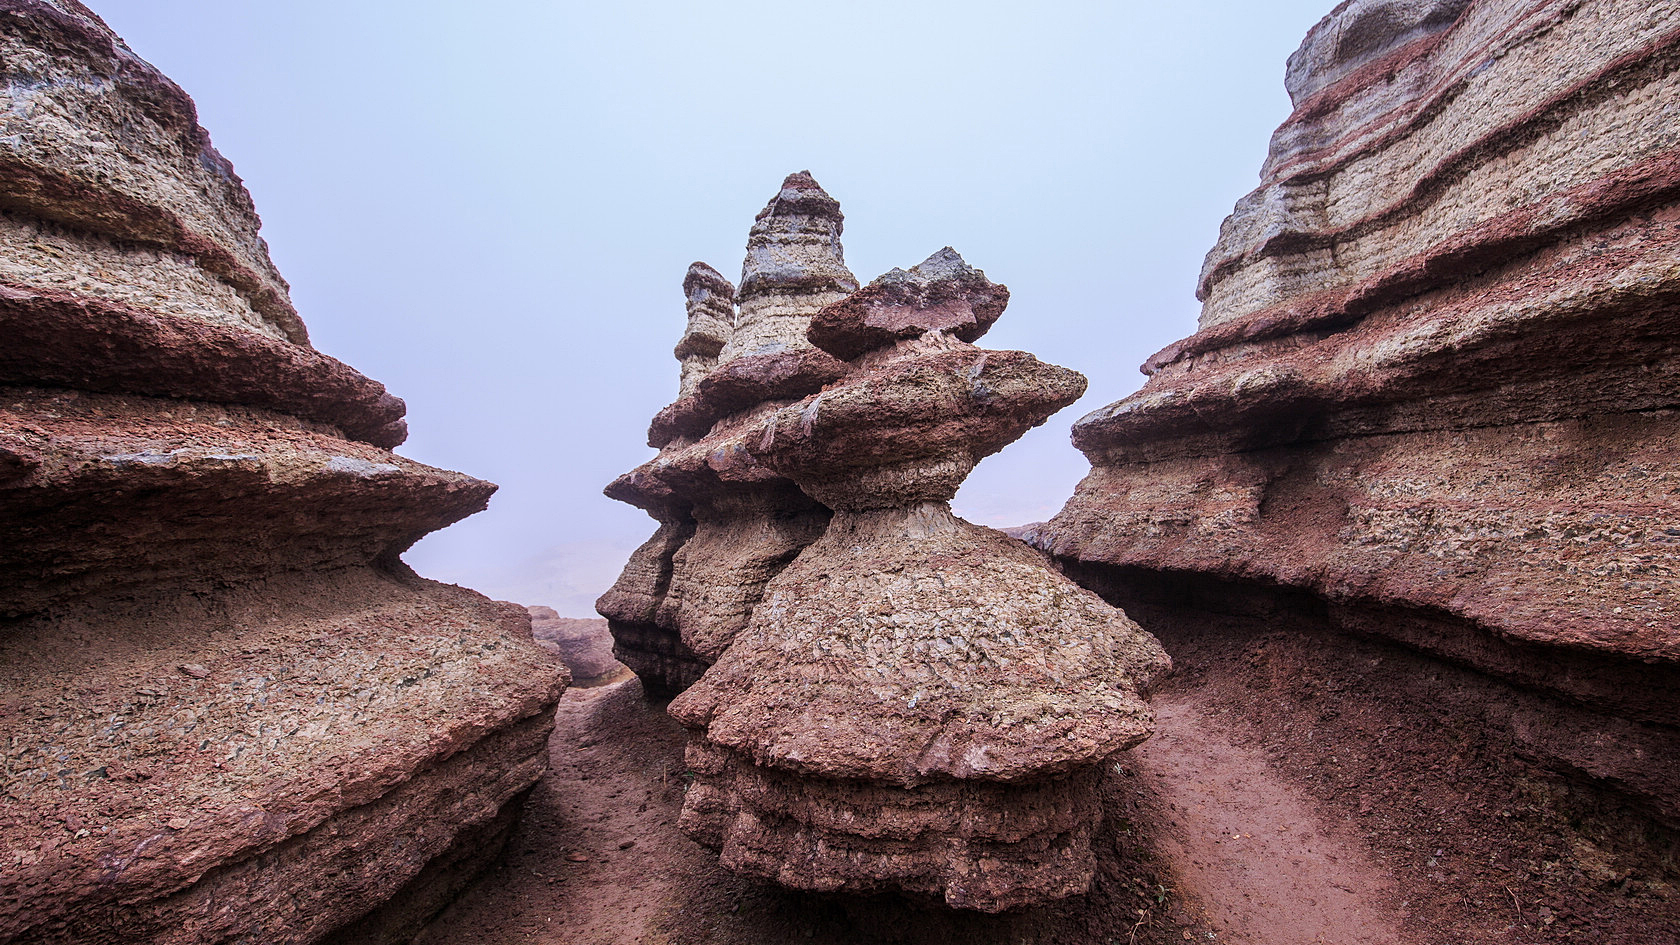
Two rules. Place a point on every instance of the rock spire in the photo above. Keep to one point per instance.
(907, 701)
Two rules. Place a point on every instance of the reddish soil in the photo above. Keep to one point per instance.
(1250, 852)
(1302, 788)
(1482, 845)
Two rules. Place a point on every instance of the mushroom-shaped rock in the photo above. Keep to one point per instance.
(917, 702)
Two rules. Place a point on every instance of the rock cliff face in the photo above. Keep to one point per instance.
(228, 712)
(906, 700)
(1434, 380)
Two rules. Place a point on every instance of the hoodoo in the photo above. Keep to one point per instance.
(917, 703)
(907, 701)
(727, 523)
(228, 712)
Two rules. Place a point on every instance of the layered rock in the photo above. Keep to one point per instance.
(728, 524)
(227, 710)
(795, 265)
(584, 645)
(711, 318)
(916, 703)
(1434, 380)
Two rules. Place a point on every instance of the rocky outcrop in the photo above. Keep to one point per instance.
(911, 702)
(711, 317)
(728, 524)
(1434, 380)
(583, 644)
(228, 712)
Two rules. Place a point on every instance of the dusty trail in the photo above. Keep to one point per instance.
(598, 850)
(1257, 861)
(598, 857)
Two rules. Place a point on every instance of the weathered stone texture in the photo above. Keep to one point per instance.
(228, 712)
(711, 319)
(1434, 380)
(939, 294)
(98, 146)
(917, 704)
(881, 695)
(728, 524)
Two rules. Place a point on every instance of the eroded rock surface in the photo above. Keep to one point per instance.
(908, 701)
(583, 644)
(1434, 380)
(728, 524)
(228, 712)
(795, 265)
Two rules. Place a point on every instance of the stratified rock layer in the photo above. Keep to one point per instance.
(584, 645)
(228, 712)
(1434, 380)
(919, 704)
(711, 318)
(727, 523)
(900, 699)
(795, 265)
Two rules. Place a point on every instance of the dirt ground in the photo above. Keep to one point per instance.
(1299, 790)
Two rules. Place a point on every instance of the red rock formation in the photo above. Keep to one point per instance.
(1434, 379)
(913, 702)
(227, 710)
(794, 266)
(940, 295)
(583, 644)
(727, 523)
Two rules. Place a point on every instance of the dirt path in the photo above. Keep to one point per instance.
(597, 850)
(1254, 857)
(598, 857)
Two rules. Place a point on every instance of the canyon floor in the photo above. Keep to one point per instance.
(1298, 790)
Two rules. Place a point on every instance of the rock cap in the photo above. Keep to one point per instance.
(940, 294)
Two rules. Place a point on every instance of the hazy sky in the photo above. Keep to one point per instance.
(490, 206)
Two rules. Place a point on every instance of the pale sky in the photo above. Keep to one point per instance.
(490, 206)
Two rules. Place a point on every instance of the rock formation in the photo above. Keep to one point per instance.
(794, 266)
(583, 644)
(918, 702)
(727, 523)
(902, 700)
(228, 712)
(1434, 380)
(711, 317)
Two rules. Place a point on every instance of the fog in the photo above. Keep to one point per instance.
(490, 207)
